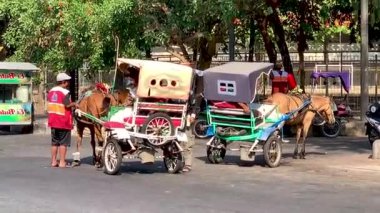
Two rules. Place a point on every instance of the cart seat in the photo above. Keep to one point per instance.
(224, 105)
(113, 125)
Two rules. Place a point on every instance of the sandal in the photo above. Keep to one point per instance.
(187, 168)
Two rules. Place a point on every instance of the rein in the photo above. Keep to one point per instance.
(311, 108)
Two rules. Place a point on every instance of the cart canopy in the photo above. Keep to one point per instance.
(158, 79)
(234, 81)
(22, 66)
(16, 72)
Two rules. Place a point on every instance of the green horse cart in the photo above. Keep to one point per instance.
(236, 82)
(16, 105)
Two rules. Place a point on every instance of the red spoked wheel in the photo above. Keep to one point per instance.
(158, 124)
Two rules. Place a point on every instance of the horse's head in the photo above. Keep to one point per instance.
(324, 106)
(122, 97)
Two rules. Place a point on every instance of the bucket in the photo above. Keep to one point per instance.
(245, 154)
(76, 158)
(146, 156)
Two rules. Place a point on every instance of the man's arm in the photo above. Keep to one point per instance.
(68, 103)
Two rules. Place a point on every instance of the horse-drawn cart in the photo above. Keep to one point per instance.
(156, 119)
(236, 82)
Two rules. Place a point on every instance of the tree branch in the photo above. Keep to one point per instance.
(176, 54)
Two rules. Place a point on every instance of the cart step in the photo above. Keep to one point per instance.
(238, 149)
(136, 157)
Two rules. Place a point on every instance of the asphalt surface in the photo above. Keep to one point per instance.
(28, 184)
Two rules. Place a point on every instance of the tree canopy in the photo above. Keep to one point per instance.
(61, 34)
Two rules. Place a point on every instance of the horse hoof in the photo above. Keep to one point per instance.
(295, 156)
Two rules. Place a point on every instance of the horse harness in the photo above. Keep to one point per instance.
(303, 97)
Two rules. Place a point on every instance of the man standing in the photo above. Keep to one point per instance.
(194, 103)
(188, 147)
(60, 119)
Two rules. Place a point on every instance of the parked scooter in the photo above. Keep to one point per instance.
(373, 122)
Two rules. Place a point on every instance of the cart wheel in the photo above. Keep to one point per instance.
(199, 128)
(158, 124)
(112, 157)
(217, 152)
(331, 130)
(272, 151)
(173, 160)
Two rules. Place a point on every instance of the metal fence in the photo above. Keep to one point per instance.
(347, 55)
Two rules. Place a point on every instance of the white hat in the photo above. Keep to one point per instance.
(63, 77)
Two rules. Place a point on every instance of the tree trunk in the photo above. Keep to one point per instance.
(251, 47)
(195, 54)
(281, 41)
(302, 70)
(278, 29)
(74, 85)
(262, 23)
(231, 42)
(148, 53)
(302, 43)
(207, 51)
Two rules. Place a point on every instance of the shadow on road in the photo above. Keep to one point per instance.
(131, 167)
(357, 145)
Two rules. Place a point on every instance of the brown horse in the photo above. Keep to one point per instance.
(98, 105)
(302, 120)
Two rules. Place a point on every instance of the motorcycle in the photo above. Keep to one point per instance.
(373, 122)
(342, 111)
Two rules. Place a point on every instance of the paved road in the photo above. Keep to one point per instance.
(27, 184)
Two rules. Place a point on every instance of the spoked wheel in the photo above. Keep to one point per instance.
(217, 151)
(112, 157)
(331, 130)
(173, 159)
(272, 151)
(199, 128)
(158, 124)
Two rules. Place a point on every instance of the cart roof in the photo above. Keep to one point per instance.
(234, 81)
(242, 68)
(152, 66)
(159, 79)
(18, 66)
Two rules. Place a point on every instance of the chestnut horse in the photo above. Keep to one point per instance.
(97, 104)
(302, 120)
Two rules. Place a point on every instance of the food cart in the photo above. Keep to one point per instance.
(16, 105)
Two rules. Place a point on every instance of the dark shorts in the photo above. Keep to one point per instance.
(60, 137)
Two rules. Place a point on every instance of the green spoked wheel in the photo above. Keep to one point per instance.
(216, 151)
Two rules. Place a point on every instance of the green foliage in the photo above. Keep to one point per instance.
(60, 34)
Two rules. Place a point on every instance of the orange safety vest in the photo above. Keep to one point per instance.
(59, 116)
(279, 81)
